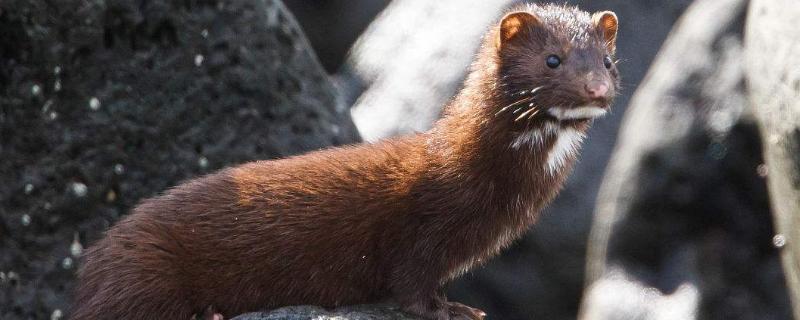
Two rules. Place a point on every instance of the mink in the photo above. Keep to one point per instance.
(391, 221)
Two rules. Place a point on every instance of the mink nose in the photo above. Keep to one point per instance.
(596, 89)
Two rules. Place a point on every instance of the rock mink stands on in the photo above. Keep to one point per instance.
(389, 221)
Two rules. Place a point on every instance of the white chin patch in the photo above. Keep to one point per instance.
(585, 112)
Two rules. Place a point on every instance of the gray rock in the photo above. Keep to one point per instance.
(103, 103)
(411, 60)
(773, 37)
(361, 312)
(683, 216)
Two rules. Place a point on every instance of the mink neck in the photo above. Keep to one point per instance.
(491, 151)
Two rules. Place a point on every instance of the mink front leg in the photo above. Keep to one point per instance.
(435, 306)
(424, 297)
(427, 306)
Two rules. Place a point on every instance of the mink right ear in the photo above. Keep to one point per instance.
(514, 25)
(607, 24)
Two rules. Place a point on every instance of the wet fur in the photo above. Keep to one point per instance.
(390, 221)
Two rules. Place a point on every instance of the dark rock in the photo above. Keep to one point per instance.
(683, 219)
(103, 103)
(361, 312)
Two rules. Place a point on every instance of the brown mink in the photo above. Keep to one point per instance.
(390, 221)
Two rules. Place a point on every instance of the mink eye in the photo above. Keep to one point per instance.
(553, 61)
(607, 62)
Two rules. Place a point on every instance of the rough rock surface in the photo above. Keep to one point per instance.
(103, 103)
(683, 216)
(410, 62)
(361, 312)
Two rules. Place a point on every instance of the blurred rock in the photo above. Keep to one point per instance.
(332, 26)
(103, 103)
(640, 301)
(773, 37)
(362, 312)
(412, 60)
(683, 214)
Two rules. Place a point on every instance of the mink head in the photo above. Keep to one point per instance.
(556, 63)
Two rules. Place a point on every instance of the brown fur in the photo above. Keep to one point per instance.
(392, 221)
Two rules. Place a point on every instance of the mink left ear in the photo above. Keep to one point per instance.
(514, 25)
(606, 24)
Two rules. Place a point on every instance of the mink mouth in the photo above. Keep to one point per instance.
(586, 112)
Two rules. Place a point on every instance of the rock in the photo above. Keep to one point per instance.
(774, 81)
(411, 60)
(640, 302)
(103, 103)
(332, 26)
(683, 214)
(361, 312)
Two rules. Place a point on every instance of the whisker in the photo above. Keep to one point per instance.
(531, 94)
(533, 114)
(523, 100)
(531, 105)
(534, 90)
(534, 110)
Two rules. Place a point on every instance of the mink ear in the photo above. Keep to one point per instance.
(606, 24)
(514, 25)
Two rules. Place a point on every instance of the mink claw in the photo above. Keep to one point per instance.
(209, 314)
(460, 311)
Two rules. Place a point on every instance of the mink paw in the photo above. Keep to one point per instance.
(213, 316)
(460, 311)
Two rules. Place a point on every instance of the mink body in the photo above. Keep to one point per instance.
(389, 221)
